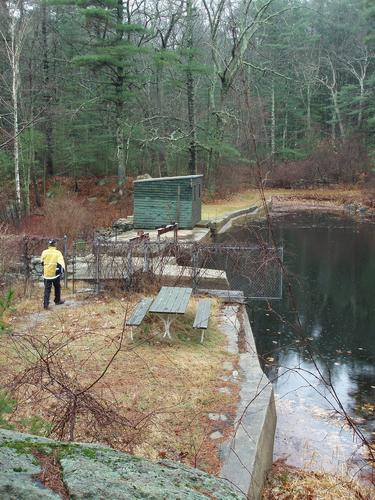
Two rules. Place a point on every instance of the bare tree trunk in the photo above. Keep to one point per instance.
(285, 130)
(13, 35)
(309, 108)
(119, 104)
(337, 112)
(14, 61)
(211, 114)
(120, 154)
(333, 127)
(191, 93)
(358, 68)
(36, 191)
(227, 70)
(273, 122)
(47, 94)
(362, 93)
(192, 129)
(332, 87)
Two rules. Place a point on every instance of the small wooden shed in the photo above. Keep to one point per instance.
(165, 200)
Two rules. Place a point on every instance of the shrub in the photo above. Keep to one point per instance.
(5, 304)
(367, 185)
(63, 214)
(10, 253)
(292, 174)
(343, 162)
(66, 215)
(6, 406)
(232, 178)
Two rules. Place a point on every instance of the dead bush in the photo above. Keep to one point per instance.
(291, 174)
(10, 252)
(343, 162)
(66, 215)
(76, 403)
(232, 178)
(367, 185)
(7, 202)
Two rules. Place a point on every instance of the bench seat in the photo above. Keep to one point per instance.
(138, 314)
(202, 316)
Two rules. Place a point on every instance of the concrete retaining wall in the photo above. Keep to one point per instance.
(247, 456)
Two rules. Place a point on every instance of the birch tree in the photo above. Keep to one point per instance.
(13, 30)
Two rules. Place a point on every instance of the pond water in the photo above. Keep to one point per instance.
(330, 261)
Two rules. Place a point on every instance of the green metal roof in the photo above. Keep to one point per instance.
(169, 178)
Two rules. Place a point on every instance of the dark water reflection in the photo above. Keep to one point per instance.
(331, 265)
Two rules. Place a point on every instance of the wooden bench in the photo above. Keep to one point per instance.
(141, 236)
(165, 229)
(138, 314)
(202, 316)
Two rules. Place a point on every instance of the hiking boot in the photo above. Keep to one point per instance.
(60, 302)
(46, 307)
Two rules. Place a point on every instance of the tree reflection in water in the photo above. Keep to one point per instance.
(331, 265)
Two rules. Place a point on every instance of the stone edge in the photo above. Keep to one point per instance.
(248, 454)
(222, 224)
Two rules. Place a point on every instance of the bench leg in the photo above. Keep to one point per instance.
(167, 323)
(130, 334)
(202, 336)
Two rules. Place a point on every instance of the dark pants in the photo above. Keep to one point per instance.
(47, 290)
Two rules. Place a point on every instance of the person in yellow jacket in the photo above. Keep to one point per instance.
(53, 269)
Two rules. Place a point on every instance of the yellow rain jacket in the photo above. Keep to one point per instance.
(53, 263)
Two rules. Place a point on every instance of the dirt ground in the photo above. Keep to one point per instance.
(153, 399)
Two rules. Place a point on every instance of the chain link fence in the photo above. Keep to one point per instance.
(20, 257)
(254, 269)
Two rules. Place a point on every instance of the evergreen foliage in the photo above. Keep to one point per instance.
(111, 87)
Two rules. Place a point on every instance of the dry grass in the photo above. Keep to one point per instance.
(219, 208)
(333, 196)
(165, 389)
(289, 483)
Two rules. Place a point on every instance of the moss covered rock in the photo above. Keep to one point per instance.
(97, 472)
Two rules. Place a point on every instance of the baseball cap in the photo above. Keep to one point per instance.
(51, 242)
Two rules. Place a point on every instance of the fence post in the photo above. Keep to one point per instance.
(146, 260)
(281, 264)
(74, 268)
(195, 269)
(66, 260)
(129, 267)
(26, 259)
(97, 264)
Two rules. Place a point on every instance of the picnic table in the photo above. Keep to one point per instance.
(169, 302)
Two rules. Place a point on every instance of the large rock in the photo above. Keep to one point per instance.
(97, 472)
(123, 225)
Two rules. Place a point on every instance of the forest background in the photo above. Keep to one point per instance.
(173, 87)
(96, 92)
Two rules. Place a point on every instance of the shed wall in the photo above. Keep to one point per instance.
(162, 201)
